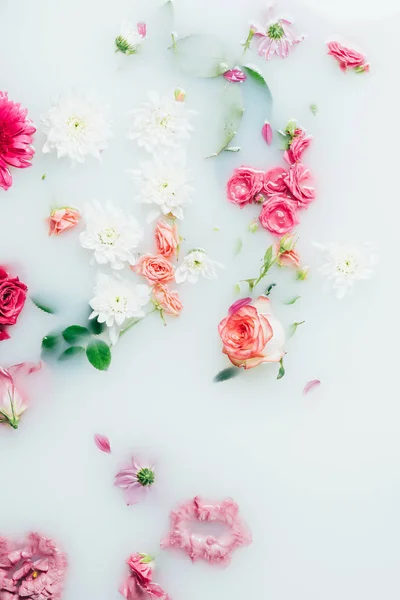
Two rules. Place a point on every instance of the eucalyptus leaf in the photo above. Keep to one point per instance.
(51, 341)
(42, 306)
(226, 374)
(232, 100)
(71, 352)
(75, 333)
(201, 55)
(99, 355)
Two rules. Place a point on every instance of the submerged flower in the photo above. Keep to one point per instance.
(116, 300)
(13, 397)
(34, 569)
(161, 123)
(77, 127)
(16, 137)
(111, 233)
(196, 263)
(347, 264)
(276, 37)
(136, 480)
(348, 58)
(131, 37)
(62, 219)
(163, 183)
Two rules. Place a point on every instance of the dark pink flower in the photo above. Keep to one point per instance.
(34, 569)
(136, 480)
(16, 137)
(348, 58)
(235, 75)
(298, 145)
(278, 214)
(244, 185)
(274, 181)
(298, 180)
(12, 300)
(141, 567)
(266, 132)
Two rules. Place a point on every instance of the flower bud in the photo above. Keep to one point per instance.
(253, 226)
(180, 95)
(302, 273)
(287, 243)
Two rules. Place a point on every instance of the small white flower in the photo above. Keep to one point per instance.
(76, 127)
(116, 300)
(196, 263)
(160, 123)
(131, 37)
(164, 184)
(347, 264)
(111, 233)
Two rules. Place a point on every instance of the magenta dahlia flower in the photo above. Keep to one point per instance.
(16, 136)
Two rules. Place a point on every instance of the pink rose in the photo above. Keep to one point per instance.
(169, 301)
(63, 219)
(274, 181)
(238, 304)
(12, 300)
(166, 238)
(297, 146)
(235, 75)
(278, 214)
(244, 185)
(155, 268)
(252, 335)
(143, 571)
(348, 58)
(297, 180)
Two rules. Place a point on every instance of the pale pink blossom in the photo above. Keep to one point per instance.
(244, 185)
(155, 268)
(276, 37)
(168, 301)
(13, 395)
(289, 258)
(278, 214)
(102, 442)
(136, 480)
(139, 584)
(348, 58)
(274, 181)
(298, 181)
(235, 75)
(299, 143)
(266, 132)
(62, 219)
(167, 240)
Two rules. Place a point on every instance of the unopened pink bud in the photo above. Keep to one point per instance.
(267, 133)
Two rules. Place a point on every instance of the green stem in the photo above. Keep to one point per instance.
(246, 45)
(129, 326)
(173, 42)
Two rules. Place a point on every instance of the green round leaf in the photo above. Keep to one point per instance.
(50, 341)
(71, 352)
(42, 306)
(95, 327)
(99, 355)
(75, 333)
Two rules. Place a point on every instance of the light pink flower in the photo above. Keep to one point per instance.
(102, 442)
(33, 569)
(235, 75)
(289, 258)
(252, 335)
(244, 185)
(276, 37)
(274, 181)
(13, 397)
(298, 180)
(167, 240)
(266, 132)
(278, 214)
(141, 567)
(155, 268)
(136, 481)
(348, 58)
(62, 219)
(139, 585)
(16, 137)
(298, 145)
(167, 300)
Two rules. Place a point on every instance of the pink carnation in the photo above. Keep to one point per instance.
(298, 181)
(139, 584)
(244, 185)
(348, 58)
(16, 137)
(297, 146)
(278, 215)
(274, 181)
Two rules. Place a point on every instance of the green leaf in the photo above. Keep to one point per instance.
(294, 327)
(293, 300)
(281, 371)
(50, 341)
(268, 256)
(238, 246)
(269, 289)
(75, 333)
(225, 374)
(236, 289)
(99, 355)
(95, 327)
(44, 176)
(233, 112)
(42, 306)
(201, 55)
(257, 77)
(71, 352)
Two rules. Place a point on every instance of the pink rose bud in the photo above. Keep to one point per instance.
(235, 75)
(267, 133)
(62, 219)
(102, 442)
(180, 95)
(288, 242)
(142, 29)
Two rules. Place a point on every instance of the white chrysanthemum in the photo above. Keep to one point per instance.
(76, 127)
(164, 184)
(111, 233)
(116, 300)
(160, 123)
(196, 263)
(131, 37)
(347, 264)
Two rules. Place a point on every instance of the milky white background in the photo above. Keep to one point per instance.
(316, 477)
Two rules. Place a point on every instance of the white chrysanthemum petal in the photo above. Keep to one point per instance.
(196, 263)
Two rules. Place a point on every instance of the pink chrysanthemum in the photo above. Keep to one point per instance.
(16, 136)
(277, 37)
(136, 480)
(34, 569)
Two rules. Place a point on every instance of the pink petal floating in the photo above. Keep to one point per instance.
(311, 385)
(238, 305)
(235, 75)
(267, 133)
(102, 442)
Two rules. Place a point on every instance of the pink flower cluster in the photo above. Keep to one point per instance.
(139, 585)
(33, 569)
(158, 270)
(282, 192)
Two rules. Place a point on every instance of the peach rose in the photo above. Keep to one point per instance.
(63, 219)
(252, 335)
(155, 268)
(168, 301)
(166, 238)
(244, 185)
